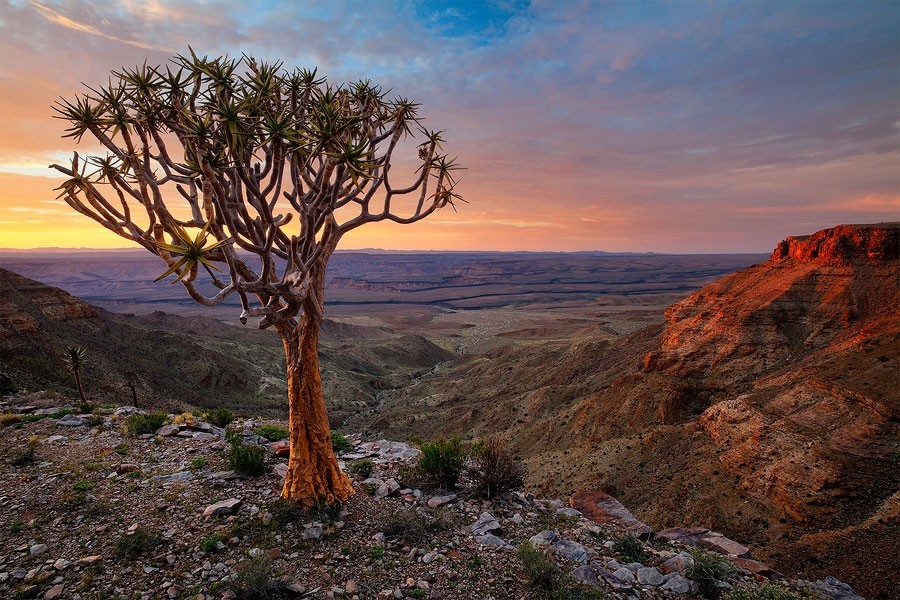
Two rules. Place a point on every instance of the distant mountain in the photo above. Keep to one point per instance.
(179, 363)
(359, 282)
(767, 407)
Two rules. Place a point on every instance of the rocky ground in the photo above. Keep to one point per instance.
(90, 511)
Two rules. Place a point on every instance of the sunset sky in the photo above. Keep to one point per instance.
(682, 126)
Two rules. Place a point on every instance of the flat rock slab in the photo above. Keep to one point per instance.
(711, 540)
(436, 501)
(280, 448)
(168, 430)
(225, 507)
(179, 476)
(749, 566)
(486, 523)
(601, 508)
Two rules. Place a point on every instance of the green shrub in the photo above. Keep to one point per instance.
(85, 407)
(442, 461)
(273, 433)
(26, 456)
(198, 463)
(766, 591)
(340, 443)
(413, 526)
(17, 527)
(548, 580)
(210, 543)
(220, 417)
(630, 549)
(708, 570)
(82, 486)
(376, 552)
(138, 542)
(544, 575)
(247, 460)
(145, 423)
(254, 580)
(363, 468)
(495, 470)
(61, 413)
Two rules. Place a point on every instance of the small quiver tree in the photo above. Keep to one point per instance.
(254, 174)
(74, 358)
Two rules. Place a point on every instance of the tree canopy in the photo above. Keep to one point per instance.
(253, 173)
(235, 157)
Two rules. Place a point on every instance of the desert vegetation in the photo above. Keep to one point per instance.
(252, 134)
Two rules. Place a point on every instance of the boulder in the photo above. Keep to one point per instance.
(486, 523)
(225, 507)
(601, 508)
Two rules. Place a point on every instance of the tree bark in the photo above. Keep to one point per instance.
(313, 473)
(78, 385)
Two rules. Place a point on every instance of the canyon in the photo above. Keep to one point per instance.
(764, 404)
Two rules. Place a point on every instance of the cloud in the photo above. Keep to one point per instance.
(59, 19)
(634, 124)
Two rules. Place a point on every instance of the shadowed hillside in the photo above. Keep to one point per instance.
(182, 362)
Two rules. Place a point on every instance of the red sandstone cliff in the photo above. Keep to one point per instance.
(770, 407)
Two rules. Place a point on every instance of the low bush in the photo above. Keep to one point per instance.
(145, 423)
(495, 470)
(273, 433)
(442, 461)
(339, 442)
(138, 542)
(10, 419)
(255, 580)
(413, 526)
(630, 549)
(708, 570)
(25, 456)
(548, 580)
(544, 575)
(85, 407)
(220, 417)
(198, 463)
(211, 543)
(363, 468)
(247, 460)
(766, 591)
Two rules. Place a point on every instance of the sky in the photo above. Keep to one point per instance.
(682, 126)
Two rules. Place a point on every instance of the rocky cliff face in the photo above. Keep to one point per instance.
(21, 297)
(843, 245)
(766, 408)
(778, 386)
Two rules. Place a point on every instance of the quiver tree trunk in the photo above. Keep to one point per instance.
(313, 473)
(78, 385)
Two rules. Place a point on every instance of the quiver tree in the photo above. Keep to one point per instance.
(74, 358)
(254, 173)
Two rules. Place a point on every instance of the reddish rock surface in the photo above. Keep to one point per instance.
(601, 508)
(843, 245)
(769, 409)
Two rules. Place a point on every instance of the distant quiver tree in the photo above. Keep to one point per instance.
(74, 358)
(254, 173)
